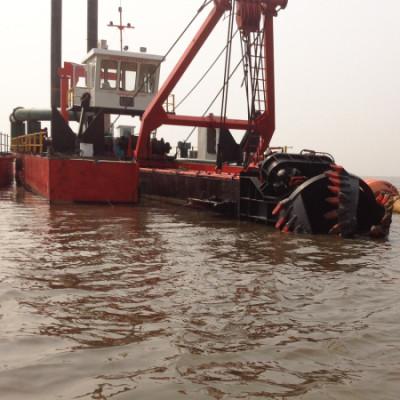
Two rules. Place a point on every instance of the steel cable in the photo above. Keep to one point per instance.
(202, 7)
(218, 94)
(215, 98)
(205, 73)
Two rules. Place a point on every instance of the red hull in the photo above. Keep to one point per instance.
(80, 180)
(6, 170)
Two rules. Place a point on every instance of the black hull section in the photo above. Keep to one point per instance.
(302, 193)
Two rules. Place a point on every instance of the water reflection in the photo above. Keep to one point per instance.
(131, 302)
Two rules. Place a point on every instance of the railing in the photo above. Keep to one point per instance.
(33, 143)
(4, 144)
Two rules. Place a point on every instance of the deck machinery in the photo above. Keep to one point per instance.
(305, 192)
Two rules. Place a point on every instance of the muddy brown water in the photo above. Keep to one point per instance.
(162, 302)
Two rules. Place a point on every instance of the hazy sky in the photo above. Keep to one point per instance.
(337, 68)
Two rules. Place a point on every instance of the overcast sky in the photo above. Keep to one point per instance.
(337, 68)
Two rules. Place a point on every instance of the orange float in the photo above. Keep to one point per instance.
(378, 186)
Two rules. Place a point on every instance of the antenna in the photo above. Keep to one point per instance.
(121, 27)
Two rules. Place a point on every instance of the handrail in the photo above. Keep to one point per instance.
(4, 144)
(33, 143)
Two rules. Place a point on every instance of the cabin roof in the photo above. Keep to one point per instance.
(125, 55)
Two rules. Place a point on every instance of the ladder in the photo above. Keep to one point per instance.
(257, 76)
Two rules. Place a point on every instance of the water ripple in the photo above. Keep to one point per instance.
(148, 302)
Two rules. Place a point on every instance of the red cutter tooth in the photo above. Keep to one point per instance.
(379, 197)
(289, 225)
(385, 199)
(333, 200)
(334, 189)
(332, 174)
(280, 222)
(277, 209)
(334, 181)
(331, 214)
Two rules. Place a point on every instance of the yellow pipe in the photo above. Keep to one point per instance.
(396, 206)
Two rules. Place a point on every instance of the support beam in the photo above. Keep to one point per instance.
(92, 24)
(56, 51)
(207, 122)
(265, 125)
(154, 115)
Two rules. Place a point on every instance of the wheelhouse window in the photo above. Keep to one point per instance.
(91, 68)
(108, 74)
(147, 78)
(127, 80)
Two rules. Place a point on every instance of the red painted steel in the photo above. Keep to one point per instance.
(378, 186)
(63, 179)
(64, 94)
(264, 125)
(65, 73)
(69, 76)
(6, 169)
(155, 116)
(33, 172)
(248, 15)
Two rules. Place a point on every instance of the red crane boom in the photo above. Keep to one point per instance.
(249, 14)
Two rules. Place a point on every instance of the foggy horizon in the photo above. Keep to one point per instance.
(336, 69)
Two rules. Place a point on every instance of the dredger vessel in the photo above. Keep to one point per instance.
(305, 192)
